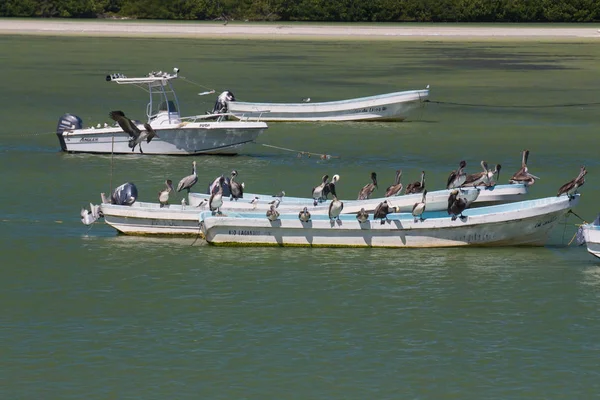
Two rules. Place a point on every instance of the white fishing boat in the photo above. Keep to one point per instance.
(176, 135)
(591, 235)
(384, 107)
(527, 223)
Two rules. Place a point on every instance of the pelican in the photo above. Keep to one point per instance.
(163, 195)
(523, 175)
(136, 136)
(396, 188)
(457, 177)
(90, 216)
(456, 205)
(382, 211)
(336, 206)
(571, 187)
(478, 178)
(216, 198)
(419, 208)
(304, 215)
(362, 216)
(317, 191)
(368, 189)
(188, 181)
(416, 187)
(494, 176)
(272, 213)
(327, 188)
(236, 188)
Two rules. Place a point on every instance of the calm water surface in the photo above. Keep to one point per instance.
(86, 313)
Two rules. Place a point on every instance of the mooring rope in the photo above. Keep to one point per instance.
(450, 103)
(301, 153)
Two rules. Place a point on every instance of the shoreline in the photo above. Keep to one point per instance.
(295, 30)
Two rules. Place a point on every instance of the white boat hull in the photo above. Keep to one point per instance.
(591, 233)
(224, 137)
(387, 107)
(525, 223)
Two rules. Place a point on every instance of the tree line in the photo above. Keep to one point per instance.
(313, 10)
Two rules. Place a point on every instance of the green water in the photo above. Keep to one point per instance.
(90, 314)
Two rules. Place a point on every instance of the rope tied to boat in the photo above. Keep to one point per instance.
(302, 153)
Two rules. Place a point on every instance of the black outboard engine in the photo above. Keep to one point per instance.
(124, 195)
(221, 104)
(67, 122)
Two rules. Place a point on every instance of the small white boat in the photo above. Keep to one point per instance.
(522, 223)
(384, 107)
(591, 235)
(176, 135)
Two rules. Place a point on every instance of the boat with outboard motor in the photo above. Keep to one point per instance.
(525, 223)
(175, 135)
(591, 236)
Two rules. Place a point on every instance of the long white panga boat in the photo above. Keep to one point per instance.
(384, 107)
(435, 200)
(176, 135)
(591, 234)
(522, 223)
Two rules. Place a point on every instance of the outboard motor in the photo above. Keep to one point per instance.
(67, 122)
(221, 104)
(124, 195)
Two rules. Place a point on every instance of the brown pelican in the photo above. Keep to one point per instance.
(327, 188)
(188, 181)
(236, 188)
(416, 187)
(523, 175)
(216, 198)
(317, 191)
(362, 216)
(457, 178)
(368, 189)
(336, 206)
(419, 208)
(571, 187)
(382, 210)
(272, 213)
(304, 215)
(396, 188)
(495, 176)
(163, 195)
(456, 205)
(136, 136)
(477, 178)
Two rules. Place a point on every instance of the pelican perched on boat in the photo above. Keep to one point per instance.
(317, 191)
(456, 205)
(571, 187)
(304, 215)
(136, 136)
(163, 195)
(478, 178)
(327, 188)
(382, 210)
(457, 178)
(362, 216)
(368, 189)
(493, 176)
(90, 216)
(419, 208)
(188, 181)
(523, 175)
(216, 198)
(416, 187)
(336, 206)
(272, 213)
(236, 189)
(396, 188)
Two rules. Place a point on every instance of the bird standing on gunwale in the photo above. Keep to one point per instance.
(272, 213)
(396, 188)
(416, 187)
(163, 195)
(216, 198)
(477, 178)
(419, 208)
(367, 190)
(188, 181)
(382, 210)
(523, 175)
(136, 136)
(456, 205)
(236, 188)
(336, 206)
(327, 188)
(304, 215)
(571, 187)
(362, 216)
(457, 178)
(317, 191)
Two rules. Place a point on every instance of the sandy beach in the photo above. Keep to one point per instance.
(295, 30)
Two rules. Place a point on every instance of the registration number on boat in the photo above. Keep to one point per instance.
(245, 232)
(369, 109)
